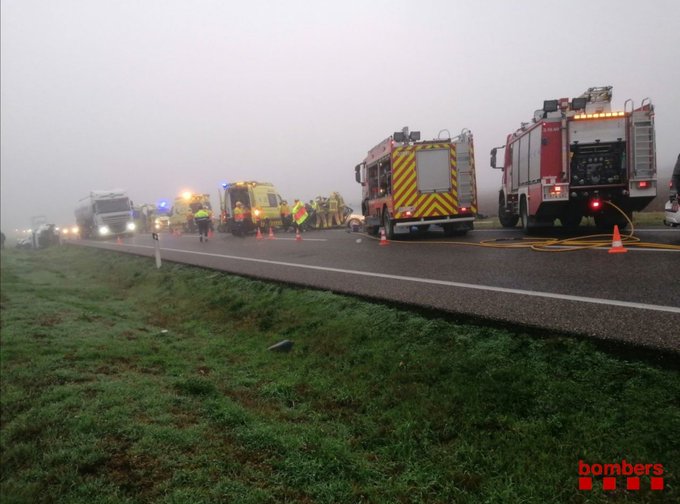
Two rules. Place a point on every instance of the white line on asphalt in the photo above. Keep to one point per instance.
(550, 295)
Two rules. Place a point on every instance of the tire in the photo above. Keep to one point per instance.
(506, 219)
(524, 215)
(388, 225)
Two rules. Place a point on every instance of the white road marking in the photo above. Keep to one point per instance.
(490, 288)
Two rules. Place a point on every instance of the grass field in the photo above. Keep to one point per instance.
(123, 383)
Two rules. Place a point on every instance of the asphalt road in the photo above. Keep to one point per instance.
(628, 297)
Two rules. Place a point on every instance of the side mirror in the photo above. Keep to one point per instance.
(357, 173)
(493, 157)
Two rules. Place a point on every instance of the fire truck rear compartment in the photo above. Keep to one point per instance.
(598, 164)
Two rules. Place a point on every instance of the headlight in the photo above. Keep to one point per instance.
(130, 226)
(75, 229)
(64, 231)
(104, 230)
(257, 213)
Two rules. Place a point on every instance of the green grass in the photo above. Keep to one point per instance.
(123, 383)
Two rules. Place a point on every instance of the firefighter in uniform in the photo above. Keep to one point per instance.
(333, 210)
(202, 219)
(321, 213)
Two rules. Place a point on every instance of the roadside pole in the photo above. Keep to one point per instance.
(157, 247)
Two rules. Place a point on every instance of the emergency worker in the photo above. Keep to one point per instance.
(284, 211)
(239, 215)
(340, 213)
(299, 214)
(333, 210)
(321, 213)
(312, 210)
(202, 219)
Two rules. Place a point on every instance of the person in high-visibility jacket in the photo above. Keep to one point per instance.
(202, 219)
(299, 214)
(239, 216)
(284, 211)
(333, 211)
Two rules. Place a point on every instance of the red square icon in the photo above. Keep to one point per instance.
(633, 483)
(656, 483)
(585, 483)
(608, 483)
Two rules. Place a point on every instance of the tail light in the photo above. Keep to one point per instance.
(595, 204)
(644, 184)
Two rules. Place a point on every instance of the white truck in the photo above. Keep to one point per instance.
(105, 213)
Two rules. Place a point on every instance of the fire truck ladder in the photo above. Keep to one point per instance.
(642, 135)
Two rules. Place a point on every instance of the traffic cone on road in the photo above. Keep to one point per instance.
(259, 234)
(271, 233)
(298, 236)
(617, 245)
(383, 237)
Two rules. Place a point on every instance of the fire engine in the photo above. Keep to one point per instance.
(574, 158)
(408, 183)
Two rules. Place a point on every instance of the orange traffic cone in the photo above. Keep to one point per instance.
(259, 234)
(617, 245)
(298, 236)
(119, 241)
(383, 237)
(271, 233)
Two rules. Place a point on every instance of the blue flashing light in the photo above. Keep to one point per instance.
(224, 185)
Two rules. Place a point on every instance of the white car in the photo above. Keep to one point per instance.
(672, 217)
(354, 220)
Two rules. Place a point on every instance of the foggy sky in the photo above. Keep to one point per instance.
(161, 96)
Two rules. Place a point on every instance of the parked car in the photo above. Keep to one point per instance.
(353, 220)
(672, 216)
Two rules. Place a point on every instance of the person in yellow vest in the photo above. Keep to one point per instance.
(299, 214)
(321, 213)
(333, 210)
(239, 215)
(284, 211)
(202, 219)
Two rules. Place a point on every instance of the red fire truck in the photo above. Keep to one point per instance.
(574, 158)
(408, 183)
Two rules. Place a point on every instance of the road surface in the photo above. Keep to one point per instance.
(628, 297)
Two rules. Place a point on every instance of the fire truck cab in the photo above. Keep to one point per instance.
(408, 183)
(576, 157)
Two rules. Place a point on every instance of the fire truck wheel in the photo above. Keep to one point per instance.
(524, 215)
(388, 225)
(506, 219)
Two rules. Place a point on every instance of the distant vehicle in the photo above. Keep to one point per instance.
(183, 210)
(105, 213)
(574, 158)
(260, 201)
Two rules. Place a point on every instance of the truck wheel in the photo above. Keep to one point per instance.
(506, 219)
(524, 215)
(388, 225)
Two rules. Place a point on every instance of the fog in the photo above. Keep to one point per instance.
(162, 96)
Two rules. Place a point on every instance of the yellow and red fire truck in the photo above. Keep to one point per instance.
(411, 184)
(575, 157)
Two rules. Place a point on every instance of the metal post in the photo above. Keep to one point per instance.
(157, 247)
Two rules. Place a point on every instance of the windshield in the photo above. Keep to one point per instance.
(113, 205)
